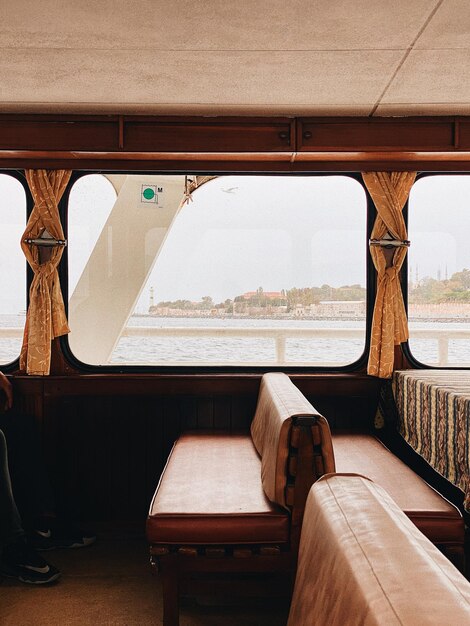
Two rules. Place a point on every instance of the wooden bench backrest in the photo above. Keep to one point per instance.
(362, 561)
(280, 403)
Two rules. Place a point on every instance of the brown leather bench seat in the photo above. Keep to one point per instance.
(211, 493)
(233, 503)
(435, 516)
(361, 561)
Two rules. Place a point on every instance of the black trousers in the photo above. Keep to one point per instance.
(24, 485)
(10, 521)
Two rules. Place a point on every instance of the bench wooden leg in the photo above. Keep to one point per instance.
(169, 572)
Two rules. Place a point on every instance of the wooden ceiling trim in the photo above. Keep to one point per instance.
(372, 134)
(384, 155)
(233, 143)
(146, 134)
(237, 162)
(145, 156)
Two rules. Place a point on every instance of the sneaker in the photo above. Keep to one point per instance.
(19, 560)
(61, 537)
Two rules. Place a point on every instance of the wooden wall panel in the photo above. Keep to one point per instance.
(284, 144)
(376, 134)
(208, 135)
(106, 453)
(155, 447)
(222, 413)
(116, 133)
(352, 413)
(463, 135)
(58, 133)
(107, 438)
(242, 410)
(205, 413)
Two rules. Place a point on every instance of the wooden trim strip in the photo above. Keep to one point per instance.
(146, 156)
(391, 157)
(336, 156)
(121, 132)
(314, 383)
(457, 134)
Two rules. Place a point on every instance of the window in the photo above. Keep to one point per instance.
(439, 270)
(13, 268)
(254, 270)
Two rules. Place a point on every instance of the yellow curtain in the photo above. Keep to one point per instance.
(389, 191)
(46, 317)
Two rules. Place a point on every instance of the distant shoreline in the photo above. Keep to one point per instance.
(309, 318)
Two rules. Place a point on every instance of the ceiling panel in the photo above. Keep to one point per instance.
(213, 24)
(432, 77)
(273, 80)
(302, 57)
(449, 27)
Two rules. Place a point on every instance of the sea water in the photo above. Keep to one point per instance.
(251, 349)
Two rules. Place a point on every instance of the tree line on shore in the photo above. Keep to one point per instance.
(427, 291)
(289, 298)
(434, 291)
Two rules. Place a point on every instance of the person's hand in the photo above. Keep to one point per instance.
(6, 387)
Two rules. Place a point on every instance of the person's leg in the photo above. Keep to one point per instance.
(48, 527)
(33, 492)
(17, 558)
(10, 521)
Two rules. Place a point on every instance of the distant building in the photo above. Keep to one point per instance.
(260, 303)
(339, 308)
(269, 295)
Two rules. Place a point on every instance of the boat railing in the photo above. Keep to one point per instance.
(281, 335)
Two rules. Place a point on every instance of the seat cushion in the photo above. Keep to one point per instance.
(435, 516)
(211, 493)
(279, 401)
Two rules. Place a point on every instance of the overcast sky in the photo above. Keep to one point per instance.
(243, 232)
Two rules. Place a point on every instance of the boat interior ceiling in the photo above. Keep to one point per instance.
(218, 173)
(328, 57)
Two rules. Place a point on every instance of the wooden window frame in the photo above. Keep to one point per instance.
(71, 363)
(232, 144)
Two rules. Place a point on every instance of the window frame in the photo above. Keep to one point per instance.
(20, 176)
(370, 284)
(414, 362)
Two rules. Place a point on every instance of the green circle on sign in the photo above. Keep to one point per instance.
(148, 193)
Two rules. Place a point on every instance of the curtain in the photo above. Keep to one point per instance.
(389, 191)
(46, 317)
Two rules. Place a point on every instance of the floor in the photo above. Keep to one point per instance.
(111, 584)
